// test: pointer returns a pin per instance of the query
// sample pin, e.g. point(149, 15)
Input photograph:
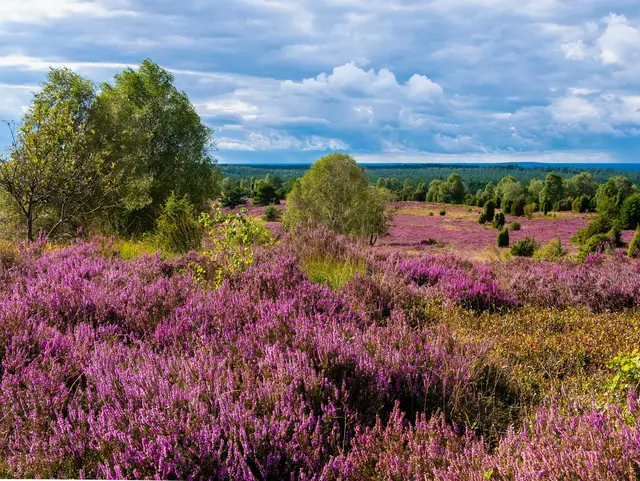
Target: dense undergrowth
point(403, 368)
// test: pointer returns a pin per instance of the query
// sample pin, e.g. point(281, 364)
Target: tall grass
point(333, 272)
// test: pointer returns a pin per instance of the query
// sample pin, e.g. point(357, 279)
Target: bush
point(600, 225)
point(634, 245)
point(499, 221)
point(552, 251)
point(582, 204)
point(515, 226)
point(430, 214)
point(443, 212)
point(630, 212)
point(562, 205)
point(503, 238)
point(530, 209)
point(489, 211)
point(271, 214)
point(524, 247)
point(178, 229)
point(517, 207)
point(482, 219)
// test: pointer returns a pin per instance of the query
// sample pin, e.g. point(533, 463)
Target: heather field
point(428, 366)
point(459, 231)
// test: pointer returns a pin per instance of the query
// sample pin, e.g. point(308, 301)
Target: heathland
point(159, 319)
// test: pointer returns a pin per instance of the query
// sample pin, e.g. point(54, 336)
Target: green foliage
point(630, 211)
point(581, 204)
point(232, 194)
point(634, 245)
point(430, 214)
point(130, 249)
point(178, 229)
point(264, 193)
point(530, 209)
point(600, 225)
point(503, 238)
point(518, 205)
point(488, 213)
point(499, 221)
point(611, 195)
point(602, 242)
point(552, 191)
point(156, 141)
point(443, 212)
point(551, 251)
point(563, 205)
point(627, 371)
point(233, 237)
point(53, 172)
point(524, 247)
point(271, 214)
point(515, 226)
point(335, 191)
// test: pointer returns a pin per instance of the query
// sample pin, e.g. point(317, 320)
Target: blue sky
point(385, 80)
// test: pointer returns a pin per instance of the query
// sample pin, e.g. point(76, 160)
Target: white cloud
point(620, 41)
point(349, 79)
point(256, 141)
point(575, 50)
point(34, 11)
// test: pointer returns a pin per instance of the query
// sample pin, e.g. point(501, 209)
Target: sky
point(383, 80)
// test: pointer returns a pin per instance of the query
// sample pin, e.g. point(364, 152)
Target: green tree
point(232, 193)
point(264, 193)
point(552, 191)
point(52, 169)
point(630, 211)
point(155, 137)
point(335, 191)
point(582, 184)
point(612, 194)
point(433, 194)
point(452, 190)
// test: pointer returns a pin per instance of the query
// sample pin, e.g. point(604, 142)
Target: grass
point(130, 249)
point(333, 272)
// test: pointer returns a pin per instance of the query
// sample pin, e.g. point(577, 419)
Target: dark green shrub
point(482, 219)
point(499, 221)
point(634, 245)
point(524, 247)
point(517, 207)
point(515, 226)
point(430, 214)
point(503, 238)
point(562, 205)
point(232, 194)
point(177, 227)
point(489, 211)
point(600, 225)
point(530, 209)
point(443, 212)
point(582, 204)
point(271, 214)
point(264, 193)
point(630, 212)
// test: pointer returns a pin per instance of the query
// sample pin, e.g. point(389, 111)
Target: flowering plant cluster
point(156, 368)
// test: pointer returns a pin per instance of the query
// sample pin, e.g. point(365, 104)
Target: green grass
point(130, 249)
point(333, 272)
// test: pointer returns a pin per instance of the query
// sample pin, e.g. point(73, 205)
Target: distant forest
point(475, 176)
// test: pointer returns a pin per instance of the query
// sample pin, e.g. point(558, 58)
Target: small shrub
point(271, 214)
point(469, 210)
point(551, 251)
point(627, 368)
point(634, 245)
point(482, 219)
point(515, 226)
point(430, 214)
point(581, 204)
point(517, 207)
point(489, 211)
point(630, 212)
point(443, 212)
point(499, 221)
point(530, 209)
point(503, 238)
point(524, 247)
point(600, 225)
point(178, 229)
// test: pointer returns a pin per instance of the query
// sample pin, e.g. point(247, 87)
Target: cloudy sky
point(386, 80)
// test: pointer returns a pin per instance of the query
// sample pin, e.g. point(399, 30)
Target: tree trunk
point(30, 224)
